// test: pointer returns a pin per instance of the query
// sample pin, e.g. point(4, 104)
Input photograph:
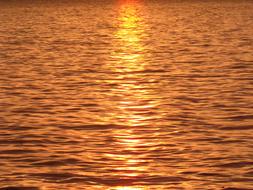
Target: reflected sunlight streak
point(129, 188)
point(129, 57)
point(129, 37)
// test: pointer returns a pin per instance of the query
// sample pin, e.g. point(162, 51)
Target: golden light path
point(129, 38)
point(129, 188)
point(129, 58)
point(133, 101)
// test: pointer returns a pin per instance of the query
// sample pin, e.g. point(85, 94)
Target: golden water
point(126, 95)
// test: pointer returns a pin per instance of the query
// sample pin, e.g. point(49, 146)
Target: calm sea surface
point(121, 95)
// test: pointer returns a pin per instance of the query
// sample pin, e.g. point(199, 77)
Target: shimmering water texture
point(126, 95)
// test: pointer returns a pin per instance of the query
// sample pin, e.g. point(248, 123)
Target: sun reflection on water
point(129, 188)
point(134, 101)
point(129, 59)
point(131, 31)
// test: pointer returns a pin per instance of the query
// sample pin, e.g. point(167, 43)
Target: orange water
point(126, 95)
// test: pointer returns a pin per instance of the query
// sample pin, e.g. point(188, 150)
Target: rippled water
point(126, 95)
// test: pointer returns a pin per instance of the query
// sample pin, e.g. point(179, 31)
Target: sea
point(126, 95)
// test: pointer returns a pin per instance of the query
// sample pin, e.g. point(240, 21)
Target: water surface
point(126, 95)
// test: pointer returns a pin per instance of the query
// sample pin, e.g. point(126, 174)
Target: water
point(126, 95)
